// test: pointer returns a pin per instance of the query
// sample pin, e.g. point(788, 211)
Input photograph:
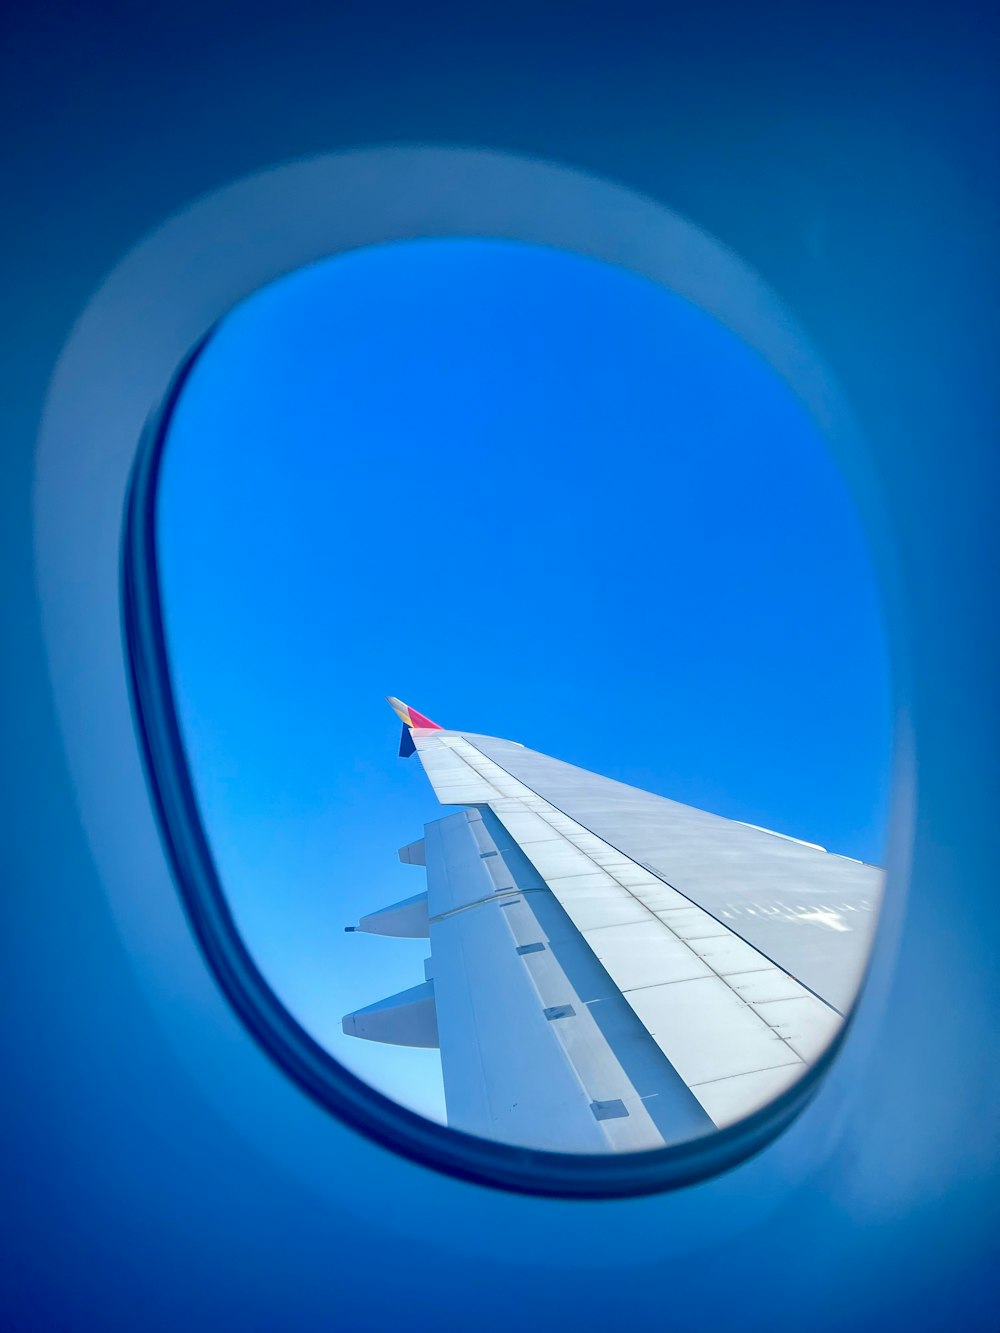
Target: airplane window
point(530, 671)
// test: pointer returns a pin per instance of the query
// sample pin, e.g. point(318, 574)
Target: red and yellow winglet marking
point(410, 717)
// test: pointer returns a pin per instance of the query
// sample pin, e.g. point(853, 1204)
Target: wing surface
point(612, 970)
point(538, 1046)
point(811, 911)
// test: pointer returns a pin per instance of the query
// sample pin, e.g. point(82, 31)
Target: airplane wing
point(610, 969)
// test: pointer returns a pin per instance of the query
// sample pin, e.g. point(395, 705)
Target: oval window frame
point(706, 274)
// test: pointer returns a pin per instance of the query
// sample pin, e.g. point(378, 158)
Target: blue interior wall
point(847, 156)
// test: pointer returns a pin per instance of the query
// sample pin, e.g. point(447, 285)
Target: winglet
point(409, 716)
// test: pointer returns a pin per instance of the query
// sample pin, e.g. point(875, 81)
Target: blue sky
point(535, 496)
